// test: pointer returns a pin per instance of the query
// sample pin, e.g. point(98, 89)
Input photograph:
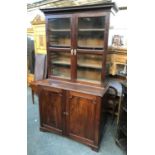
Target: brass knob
point(65, 113)
point(72, 51)
point(94, 101)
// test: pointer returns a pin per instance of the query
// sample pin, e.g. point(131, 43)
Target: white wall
point(31, 15)
point(118, 26)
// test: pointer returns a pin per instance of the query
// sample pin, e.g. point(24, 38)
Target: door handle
point(65, 113)
point(72, 51)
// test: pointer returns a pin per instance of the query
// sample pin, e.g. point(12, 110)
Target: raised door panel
point(51, 110)
point(81, 117)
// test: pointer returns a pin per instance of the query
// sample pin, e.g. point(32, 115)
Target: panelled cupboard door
point(81, 120)
point(51, 109)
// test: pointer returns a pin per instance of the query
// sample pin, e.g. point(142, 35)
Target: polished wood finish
point(104, 6)
point(71, 107)
point(73, 14)
point(80, 122)
point(67, 110)
point(72, 86)
point(105, 46)
point(50, 100)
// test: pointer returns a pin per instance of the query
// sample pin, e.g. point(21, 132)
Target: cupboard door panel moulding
point(70, 113)
point(81, 120)
point(51, 109)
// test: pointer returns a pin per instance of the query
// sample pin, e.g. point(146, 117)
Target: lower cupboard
point(74, 114)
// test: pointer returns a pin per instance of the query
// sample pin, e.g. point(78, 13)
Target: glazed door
point(77, 45)
point(51, 107)
point(90, 46)
point(60, 44)
point(81, 110)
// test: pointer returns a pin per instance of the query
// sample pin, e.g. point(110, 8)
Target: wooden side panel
point(51, 110)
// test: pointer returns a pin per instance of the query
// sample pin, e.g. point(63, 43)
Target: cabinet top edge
point(77, 87)
point(108, 5)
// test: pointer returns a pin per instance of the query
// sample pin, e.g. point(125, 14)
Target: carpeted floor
point(44, 143)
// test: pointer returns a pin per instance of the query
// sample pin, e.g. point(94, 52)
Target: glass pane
point(91, 32)
point(91, 22)
point(89, 67)
point(59, 23)
point(90, 40)
point(59, 32)
point(61, 64)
